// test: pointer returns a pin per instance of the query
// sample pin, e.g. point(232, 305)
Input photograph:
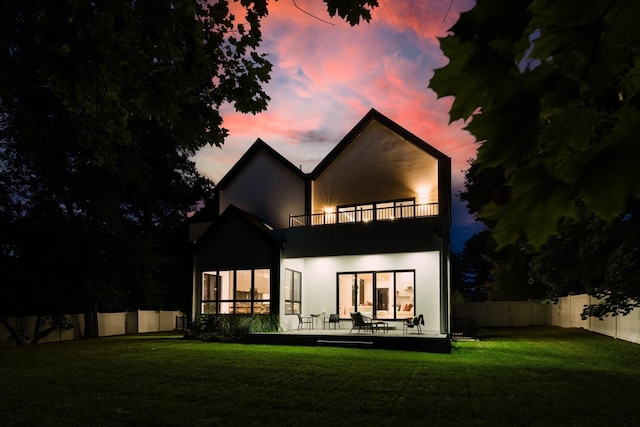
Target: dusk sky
point(327, 76)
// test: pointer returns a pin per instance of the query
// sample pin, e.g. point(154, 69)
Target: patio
point(393, 339)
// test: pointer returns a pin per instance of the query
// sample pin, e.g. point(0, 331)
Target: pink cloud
point(326, 77)
point(426, 19)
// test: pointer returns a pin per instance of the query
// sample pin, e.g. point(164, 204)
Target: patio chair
point(416, 322)
point(334, 320)
point(305, 320)
point(358, 321)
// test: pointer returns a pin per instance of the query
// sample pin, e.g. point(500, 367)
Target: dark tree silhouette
point(102, 105)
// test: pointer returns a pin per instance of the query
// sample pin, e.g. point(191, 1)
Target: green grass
point(529, 376)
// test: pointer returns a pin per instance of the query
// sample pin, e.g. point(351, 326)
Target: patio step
point(413, 342)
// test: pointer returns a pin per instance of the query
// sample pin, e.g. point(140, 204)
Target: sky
point(327, 75)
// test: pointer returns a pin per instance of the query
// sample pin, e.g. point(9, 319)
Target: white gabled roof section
point(265, 184)
point(377, 161)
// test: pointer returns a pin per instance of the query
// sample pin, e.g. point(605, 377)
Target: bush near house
point(232, 328)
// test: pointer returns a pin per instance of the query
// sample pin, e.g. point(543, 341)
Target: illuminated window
point(378, 294)
point(292, 292)
point(236, 292)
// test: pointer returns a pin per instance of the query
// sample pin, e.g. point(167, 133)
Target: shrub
point(222, 327)
point(259, 323)
point(212, 327)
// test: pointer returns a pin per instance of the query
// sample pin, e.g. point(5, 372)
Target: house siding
point(266, 188)
point(405, 235)
point(234, 247)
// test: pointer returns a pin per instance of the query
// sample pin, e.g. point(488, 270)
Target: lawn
point(528, 376)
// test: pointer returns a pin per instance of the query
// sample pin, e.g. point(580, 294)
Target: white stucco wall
point(319, 288)
point(266, 189)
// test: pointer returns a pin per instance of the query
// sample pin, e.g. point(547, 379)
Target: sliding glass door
point(377, 294)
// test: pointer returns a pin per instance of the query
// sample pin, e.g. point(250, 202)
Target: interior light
point(423, 195)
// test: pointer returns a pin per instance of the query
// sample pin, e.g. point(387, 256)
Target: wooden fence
point(132, 322)
point(565, 314)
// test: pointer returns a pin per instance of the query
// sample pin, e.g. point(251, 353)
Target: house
point(367, 230)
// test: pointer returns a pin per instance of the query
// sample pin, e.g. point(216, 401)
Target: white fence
point(132, 322)
point(565, 314)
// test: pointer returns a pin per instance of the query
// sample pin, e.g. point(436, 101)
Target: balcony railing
point(360, 214)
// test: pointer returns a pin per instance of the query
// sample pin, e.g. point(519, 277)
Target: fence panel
point(25, 327)
point(167, 320)
point(606, 326)
point(565, 314)
point(112, 324)
point(148, 321)
point(562, 313)
point(504, 313)
point(578, 302)
point(520, 313)
point(540, 314)
point(109, 324)
point(628, 327)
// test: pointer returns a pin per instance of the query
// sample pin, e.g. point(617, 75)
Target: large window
point(379, 294)
point(292, 292)
point(236, 291)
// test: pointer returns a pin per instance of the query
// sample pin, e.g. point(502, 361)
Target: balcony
point(380, 211)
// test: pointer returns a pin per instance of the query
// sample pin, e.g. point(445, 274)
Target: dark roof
point(251, 221)
point(388, 123)
point(258, 145)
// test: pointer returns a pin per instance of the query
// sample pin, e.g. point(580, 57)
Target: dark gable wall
point(233, 246)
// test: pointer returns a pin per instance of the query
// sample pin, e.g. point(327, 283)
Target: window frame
point(292, 305)
point(393, 293)
point(234, 301)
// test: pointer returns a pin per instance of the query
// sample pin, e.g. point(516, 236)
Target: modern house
point(367, 231)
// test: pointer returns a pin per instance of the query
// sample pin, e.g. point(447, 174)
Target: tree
point(475, 264)
point(502, 273)
point(587, 254)
point(591, 255)
point(552, 90)
point(102, 105)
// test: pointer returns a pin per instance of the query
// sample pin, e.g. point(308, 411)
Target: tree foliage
point(552, 90)
point(352, 11)
point(475, 264)
point(595, 256)
point(102, 105)
point(586, 255)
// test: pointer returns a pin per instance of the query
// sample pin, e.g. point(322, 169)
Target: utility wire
point(310, 14)
point(446, 14)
